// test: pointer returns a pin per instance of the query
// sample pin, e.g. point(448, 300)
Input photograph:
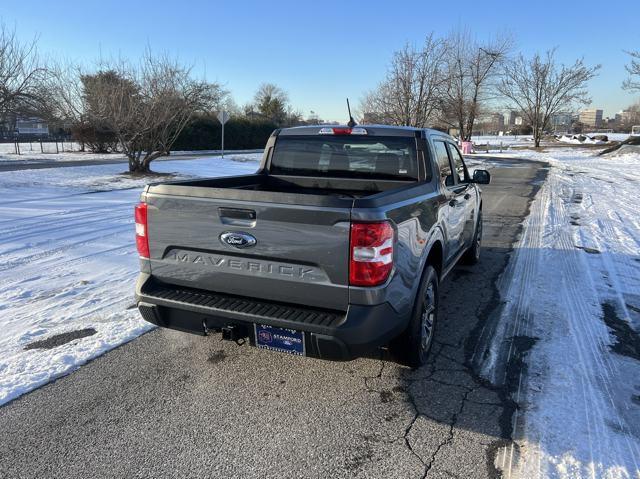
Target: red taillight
point(142, 237)
point(371, 249)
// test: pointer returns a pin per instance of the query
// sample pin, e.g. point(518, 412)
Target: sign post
point(223, 117)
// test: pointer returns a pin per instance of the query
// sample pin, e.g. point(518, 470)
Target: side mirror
point(482, 177)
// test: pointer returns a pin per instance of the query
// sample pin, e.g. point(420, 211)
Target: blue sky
point(323, 51)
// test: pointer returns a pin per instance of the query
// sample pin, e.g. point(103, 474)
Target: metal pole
point(223, 140)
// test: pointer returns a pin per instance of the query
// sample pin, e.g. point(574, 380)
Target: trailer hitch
point(235, 333)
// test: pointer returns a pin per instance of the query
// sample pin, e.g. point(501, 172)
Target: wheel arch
point(435, 257)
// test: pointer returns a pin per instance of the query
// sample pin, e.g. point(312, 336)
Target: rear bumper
point(332, 335)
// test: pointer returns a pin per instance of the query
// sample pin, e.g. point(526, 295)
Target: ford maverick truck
point(336, 246)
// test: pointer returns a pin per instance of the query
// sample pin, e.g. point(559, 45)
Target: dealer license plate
point(279, 339)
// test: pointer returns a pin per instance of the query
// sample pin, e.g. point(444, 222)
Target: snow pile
point(582, 140)
point(68, 265)
point(575, 289)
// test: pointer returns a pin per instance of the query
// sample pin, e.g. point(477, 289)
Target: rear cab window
point(348, 156)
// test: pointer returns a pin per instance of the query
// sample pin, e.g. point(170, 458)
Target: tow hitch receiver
point(235, 333)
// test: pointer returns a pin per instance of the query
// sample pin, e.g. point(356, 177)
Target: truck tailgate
point(300, 253)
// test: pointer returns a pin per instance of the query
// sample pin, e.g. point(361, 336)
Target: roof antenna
point(352, 122)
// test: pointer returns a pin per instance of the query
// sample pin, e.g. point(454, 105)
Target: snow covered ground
point(68, 264)
point(70, 151)
point(573, 286)
point(508, 141)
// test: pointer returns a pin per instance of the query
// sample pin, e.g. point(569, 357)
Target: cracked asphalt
point(175, 405)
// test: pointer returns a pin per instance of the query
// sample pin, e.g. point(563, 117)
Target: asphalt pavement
point(169, 404)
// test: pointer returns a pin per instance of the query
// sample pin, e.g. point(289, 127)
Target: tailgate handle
point(237, 216)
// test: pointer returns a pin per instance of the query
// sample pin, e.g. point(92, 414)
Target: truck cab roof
point(371, 130)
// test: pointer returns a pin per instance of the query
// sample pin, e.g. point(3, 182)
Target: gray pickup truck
point(333, 248)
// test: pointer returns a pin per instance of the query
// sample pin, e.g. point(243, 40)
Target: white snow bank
point(68, 262)
point(575, 279)
point(506, 140)
point(580, 140)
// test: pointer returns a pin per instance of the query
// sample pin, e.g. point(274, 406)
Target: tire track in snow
point(114, 231)
point(553, 292)
point(37, 229)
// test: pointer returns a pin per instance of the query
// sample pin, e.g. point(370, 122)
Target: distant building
point(498, 120)
point(32, 126)
point(591, 117)
point(490, 123)
point(628, 117)
point(13, 126)
point(561, 121)
point(511, 118)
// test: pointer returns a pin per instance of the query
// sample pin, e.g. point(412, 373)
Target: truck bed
point(261, 186)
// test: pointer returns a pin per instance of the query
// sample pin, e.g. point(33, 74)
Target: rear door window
point(383, 157)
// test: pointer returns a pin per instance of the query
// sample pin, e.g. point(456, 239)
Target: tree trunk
point(537, 136)
point(146, 162)
point(137, 166)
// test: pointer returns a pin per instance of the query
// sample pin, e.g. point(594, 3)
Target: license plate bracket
point(282, 340)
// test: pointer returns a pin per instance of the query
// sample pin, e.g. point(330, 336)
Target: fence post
point(41, 148)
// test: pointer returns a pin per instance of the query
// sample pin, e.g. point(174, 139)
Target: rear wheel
point(472, 256)
point(413, 345)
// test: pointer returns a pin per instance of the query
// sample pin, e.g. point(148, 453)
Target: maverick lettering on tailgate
point(252, 266)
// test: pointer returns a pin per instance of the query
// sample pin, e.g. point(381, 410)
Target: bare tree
point(62, 102)
point(64, 99)
point(633, 82)
point(407, 95)
point(471, 69)
point(539, 88)
point(22, 74)
point(147, 106)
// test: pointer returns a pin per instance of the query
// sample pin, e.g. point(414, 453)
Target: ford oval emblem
point(238, 240)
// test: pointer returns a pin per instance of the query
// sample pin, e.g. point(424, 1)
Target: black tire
point(472, 255)
point(413, 345)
